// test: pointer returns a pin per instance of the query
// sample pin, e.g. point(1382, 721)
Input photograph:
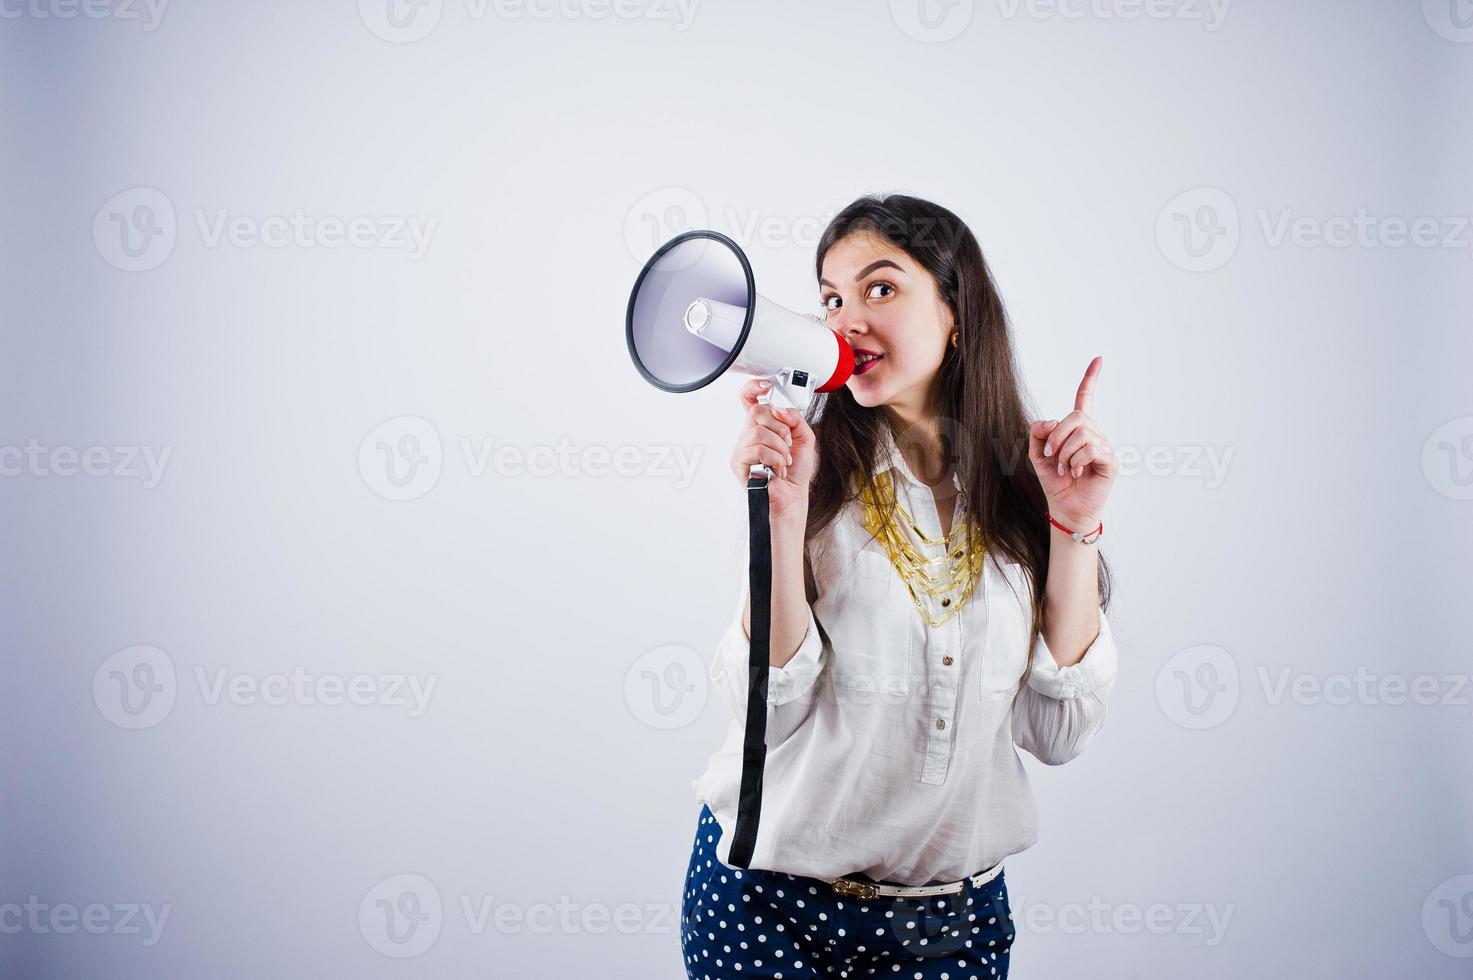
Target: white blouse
point(891, 744)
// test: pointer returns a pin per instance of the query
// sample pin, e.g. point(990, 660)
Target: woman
point(938, 599)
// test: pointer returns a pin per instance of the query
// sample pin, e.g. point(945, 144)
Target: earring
point(955, 337)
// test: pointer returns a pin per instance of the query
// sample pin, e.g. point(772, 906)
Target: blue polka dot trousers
point(737, 922)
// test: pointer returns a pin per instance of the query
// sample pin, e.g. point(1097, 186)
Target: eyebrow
point(882, 263)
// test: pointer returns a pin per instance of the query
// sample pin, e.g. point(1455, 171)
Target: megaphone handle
point(778, 397)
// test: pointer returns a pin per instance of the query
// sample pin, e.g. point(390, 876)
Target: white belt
point(868, 889)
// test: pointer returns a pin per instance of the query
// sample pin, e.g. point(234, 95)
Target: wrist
point(1086, 526)
point(793, 517)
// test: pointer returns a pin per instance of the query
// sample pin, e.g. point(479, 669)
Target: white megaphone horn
point(695, 314)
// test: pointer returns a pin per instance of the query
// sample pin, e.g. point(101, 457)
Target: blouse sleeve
point(729, 667)
point(1062, 707)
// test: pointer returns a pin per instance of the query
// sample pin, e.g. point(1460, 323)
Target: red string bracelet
point(1077, 535)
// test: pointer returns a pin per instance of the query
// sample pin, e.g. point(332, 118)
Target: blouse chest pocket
point(863, 611)
point(1009, 618)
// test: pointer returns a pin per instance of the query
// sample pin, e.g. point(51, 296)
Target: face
point(883, 302)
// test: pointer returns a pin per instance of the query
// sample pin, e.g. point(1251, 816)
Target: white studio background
point(333, 634)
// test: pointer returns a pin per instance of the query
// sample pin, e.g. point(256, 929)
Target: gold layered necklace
point(949, 577)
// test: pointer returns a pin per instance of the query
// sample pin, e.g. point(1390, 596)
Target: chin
point(868, 394)
point(865, 398)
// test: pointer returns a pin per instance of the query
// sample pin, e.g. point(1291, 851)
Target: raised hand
point(1073, 460)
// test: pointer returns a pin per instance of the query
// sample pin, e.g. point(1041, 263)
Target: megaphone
point(695, 314)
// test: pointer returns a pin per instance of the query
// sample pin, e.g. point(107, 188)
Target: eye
point(832, 302)
point(879, 285)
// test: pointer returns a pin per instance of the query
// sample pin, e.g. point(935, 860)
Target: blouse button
point(940, 722)
point(947, 661)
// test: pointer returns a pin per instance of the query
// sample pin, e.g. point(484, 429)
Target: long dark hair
point(981, 414)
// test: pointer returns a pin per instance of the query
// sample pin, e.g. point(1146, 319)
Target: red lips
point(867, 365)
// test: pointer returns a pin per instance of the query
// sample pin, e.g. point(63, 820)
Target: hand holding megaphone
point(780, 439)
point(695, 314)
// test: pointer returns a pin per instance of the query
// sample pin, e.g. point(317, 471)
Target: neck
point(919, 439)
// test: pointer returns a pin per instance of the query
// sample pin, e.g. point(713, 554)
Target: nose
point(848, 325)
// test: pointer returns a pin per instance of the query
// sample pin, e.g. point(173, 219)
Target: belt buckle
point(862, 890)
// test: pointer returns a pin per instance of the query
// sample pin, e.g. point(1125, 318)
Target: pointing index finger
point(1085, 396)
